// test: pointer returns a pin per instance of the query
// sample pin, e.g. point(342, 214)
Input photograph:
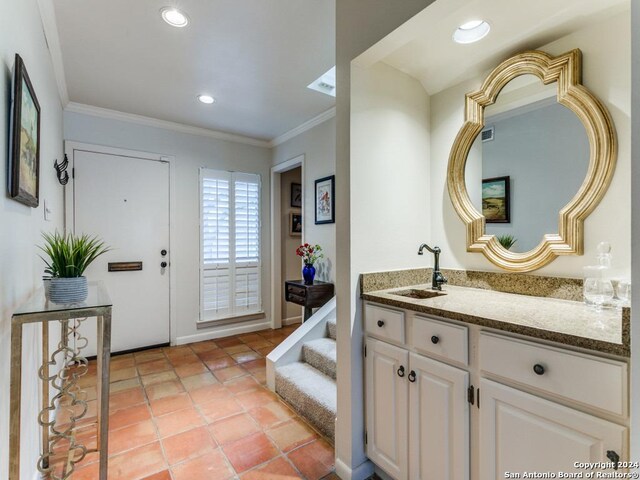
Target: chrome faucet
point(437, 279)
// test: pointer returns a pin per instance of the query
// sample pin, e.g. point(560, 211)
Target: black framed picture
point(496, 197)
point(296, 195)
point(295, 224)
point(325, 200)
point(24, 158)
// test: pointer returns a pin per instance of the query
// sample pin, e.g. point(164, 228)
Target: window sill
point(230, 320)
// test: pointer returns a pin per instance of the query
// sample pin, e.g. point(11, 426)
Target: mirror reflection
point(528, 162)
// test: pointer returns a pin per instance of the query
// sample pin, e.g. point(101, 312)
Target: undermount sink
point(419, 293)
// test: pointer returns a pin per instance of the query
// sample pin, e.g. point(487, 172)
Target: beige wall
point(20, 268)
point(290, 263)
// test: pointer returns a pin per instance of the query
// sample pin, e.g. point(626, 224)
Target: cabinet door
point(439, 425)
point(520, 433)
point(387, 406)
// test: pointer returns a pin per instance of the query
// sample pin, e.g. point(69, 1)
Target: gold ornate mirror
point(534, 165)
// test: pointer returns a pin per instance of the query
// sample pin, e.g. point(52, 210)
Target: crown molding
point(308, 125)
point(164, 124)
point(50, 28)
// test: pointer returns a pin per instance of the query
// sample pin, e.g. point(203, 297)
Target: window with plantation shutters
point(230, 244)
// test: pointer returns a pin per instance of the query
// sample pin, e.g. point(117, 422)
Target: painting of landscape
point(28, 143)
point(495, 200)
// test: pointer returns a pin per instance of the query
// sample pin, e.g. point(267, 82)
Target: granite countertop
point(564, 321)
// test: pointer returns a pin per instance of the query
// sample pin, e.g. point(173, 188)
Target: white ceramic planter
point(68, 290)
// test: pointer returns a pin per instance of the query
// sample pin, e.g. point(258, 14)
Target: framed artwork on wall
point(24, 156)
point(496, 197)
point(325, 200)
point(296, 195)
point(295, 224)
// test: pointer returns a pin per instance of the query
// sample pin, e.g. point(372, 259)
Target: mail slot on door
point(125, 266)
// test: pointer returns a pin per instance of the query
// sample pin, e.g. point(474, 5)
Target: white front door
point(124, 200)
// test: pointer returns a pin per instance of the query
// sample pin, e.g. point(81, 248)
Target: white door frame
point(276, 232)
point(71, 147)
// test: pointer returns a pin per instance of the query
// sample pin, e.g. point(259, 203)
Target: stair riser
point(332, 330)
point(317, 360)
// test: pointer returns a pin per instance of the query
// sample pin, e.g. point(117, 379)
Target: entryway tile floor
point(202, 411)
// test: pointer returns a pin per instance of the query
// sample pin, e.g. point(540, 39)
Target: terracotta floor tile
point(245, 357)
point(158, 377)
point(164, 475)
point(314, 460)
point(242, 384)
point(198, 381)
point(148, 356)
point(205, 346)
point(260, 375)
point(182, 358)
point(129, 416)
point(119, 362)
point(255, 364)
point(261, 343)
point(237, 349)
point(165, 405)
point(271, 414)
point(222, 362)
point(256, 398)
point(291, 435)
point(87, 472)
point(233, 428)
point(178, 351)
point(126, 398)
point(278, 469)
point(250, 451)
point(226, 374)
point(212, 355)
point(132, 436)
point(155, 366)
point(249, 337)
point(210, 466)
point(209, 393)
point(124, 385)
point(164, 389)
point(227, 342)
point(264, 351)
point(137, 464)
point(188, 445)
point(179, 421)
point(122, 374)
point(191, 368)
point(218, 409)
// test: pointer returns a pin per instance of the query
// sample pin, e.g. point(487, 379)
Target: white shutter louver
point(230, 244)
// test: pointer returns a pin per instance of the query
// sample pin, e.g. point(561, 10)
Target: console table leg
point(308, 311)
point(104, 356)
point(16, 399)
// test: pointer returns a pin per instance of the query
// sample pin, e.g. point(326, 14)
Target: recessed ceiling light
point(208, 99)
point(472, 31)
point(326, 83)
point(174, 17)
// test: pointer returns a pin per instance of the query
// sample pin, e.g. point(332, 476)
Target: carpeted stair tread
point(311, 393)
point(331, 328)
point(321, 354)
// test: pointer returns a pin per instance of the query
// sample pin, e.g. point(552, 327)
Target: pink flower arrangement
point(309, 253)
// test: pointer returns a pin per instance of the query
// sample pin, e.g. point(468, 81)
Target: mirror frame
point(566, 70)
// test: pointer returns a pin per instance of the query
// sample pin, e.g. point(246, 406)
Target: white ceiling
point(424, 49)
point(256, 57)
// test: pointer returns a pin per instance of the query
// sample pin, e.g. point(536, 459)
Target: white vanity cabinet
point(453, 401)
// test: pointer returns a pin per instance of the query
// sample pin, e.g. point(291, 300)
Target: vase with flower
point(310, 254)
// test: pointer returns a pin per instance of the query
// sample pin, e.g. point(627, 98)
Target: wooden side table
point(71, 365)
point(309, 296)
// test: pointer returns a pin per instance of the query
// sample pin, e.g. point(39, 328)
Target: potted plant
point(68, 257)
point(507, 241)
point(310, 254)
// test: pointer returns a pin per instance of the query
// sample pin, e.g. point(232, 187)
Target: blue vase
point(308, 272)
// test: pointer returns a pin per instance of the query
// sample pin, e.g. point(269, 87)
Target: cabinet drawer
point(441, 339)
point(586, 379)
point(384, 323)
point(301, 292)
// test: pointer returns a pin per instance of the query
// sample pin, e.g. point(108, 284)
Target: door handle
point(163, 265)
point(163, 252)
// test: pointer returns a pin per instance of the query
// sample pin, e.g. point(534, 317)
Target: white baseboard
point(361, 472)
point(292, 320)
point(223, 331)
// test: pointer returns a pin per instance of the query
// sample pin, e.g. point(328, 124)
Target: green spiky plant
point(507, 241)
point(69, 254)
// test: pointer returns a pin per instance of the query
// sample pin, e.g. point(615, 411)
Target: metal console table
point(60, 452)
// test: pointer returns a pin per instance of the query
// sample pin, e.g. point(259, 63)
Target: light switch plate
point(47, 211)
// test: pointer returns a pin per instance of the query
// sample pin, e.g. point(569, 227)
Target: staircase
point(309, 385)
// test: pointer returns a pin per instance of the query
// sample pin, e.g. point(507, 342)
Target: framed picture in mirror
point(296, 195)
point(496, 197)
point(295, 224)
